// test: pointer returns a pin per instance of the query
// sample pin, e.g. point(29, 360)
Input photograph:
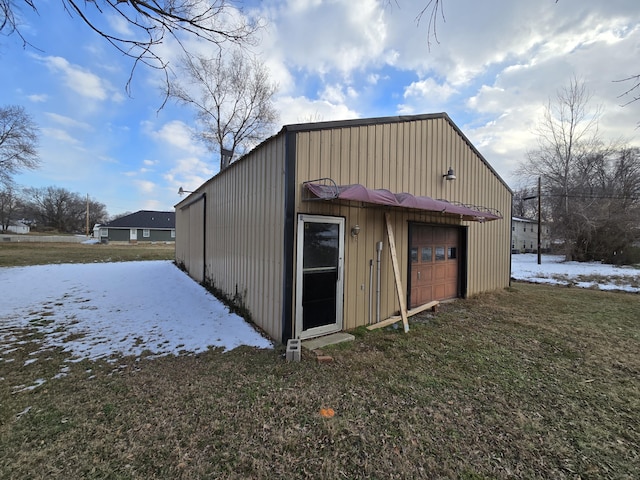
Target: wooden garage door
point(433, 257)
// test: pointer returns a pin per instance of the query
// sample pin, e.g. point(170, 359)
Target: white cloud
point(38, 98)
point(145, 187)
point(188, 173)
point(60, 135)
point(69, 122)
point(81, 80)
point(322, 36)
point(426, 96)
point(120, 25)
point(176, 134)
point(302, 109)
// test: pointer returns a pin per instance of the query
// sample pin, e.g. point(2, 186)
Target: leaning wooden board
point(397, 318)
point(396, 273)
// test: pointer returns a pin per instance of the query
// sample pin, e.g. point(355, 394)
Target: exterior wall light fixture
point(450, 175)
point(355, 231)
point(182, 191)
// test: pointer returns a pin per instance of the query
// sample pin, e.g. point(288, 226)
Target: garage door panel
point(434, 253)
point(439, 291)
point(440, 273)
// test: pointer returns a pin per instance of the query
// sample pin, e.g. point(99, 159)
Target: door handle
point(418, 275)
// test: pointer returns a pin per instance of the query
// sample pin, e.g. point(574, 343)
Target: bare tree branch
point(432, 10)
point(633, 91)
point(232, 99)
point(18, 143)
point(219, 22)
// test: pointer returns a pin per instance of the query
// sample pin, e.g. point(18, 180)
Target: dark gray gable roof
point(146, 219)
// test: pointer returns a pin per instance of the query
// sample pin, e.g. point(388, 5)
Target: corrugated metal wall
point(190, 237)
point(245, 233)
point(409, 156)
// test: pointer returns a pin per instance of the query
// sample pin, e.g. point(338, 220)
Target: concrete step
point(332, 339)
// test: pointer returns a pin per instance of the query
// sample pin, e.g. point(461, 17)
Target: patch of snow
point(555, 271)
point(36, 384)
point(98, 310)
point(64, 371)
point(24, 412)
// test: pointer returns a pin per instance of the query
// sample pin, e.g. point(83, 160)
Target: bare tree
point(610, 201)
point(59, 209)
point(232, 98)
point(18, 143)
point(591, 190)
point(521, 206)
point(568, 153)
point(150, 22)
point(8, 204)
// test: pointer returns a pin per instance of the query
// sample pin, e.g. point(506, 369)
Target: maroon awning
point(359, 193)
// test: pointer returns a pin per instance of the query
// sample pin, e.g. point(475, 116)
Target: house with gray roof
point(141, 226)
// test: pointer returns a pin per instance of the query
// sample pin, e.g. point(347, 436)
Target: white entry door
point(320, 278)
point(133, 234)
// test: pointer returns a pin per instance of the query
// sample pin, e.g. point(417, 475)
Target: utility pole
point(539, 222)
point(539, 195)
point(87, 214)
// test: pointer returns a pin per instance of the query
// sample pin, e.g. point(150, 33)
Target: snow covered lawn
point(98, 310)
point(554, 270)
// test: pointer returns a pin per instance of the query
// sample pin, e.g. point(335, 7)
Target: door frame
point(332, 327)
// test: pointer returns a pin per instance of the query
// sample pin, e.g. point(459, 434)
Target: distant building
point(141, 226)
point(524, 236)
point(19, 227)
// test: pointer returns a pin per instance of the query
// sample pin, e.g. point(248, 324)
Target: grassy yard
point(532, 382)
point(21, 254)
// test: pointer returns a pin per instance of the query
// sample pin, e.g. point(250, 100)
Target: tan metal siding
point(409, 157)
point(245, 230)
point(190, 238)
point(196, 240)
point(182, 246)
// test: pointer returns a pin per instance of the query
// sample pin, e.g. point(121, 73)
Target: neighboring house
point(524, 236)
point(18, 227)
point(141, 226)
point(291, 231)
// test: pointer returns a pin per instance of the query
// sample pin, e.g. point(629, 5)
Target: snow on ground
point(99, 310)
point(554, 270)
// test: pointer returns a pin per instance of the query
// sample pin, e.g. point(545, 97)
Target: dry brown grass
point(14, 254)
point(533, 382)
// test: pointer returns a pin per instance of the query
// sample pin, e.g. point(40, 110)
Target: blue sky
point(495, 67)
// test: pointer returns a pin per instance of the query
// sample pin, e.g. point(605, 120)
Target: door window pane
point(427, 254)
point(453, 253)
point(414, 255)
point(320, 245)
point(440, 254)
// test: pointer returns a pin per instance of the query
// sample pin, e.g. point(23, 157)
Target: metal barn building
point(295, 232)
